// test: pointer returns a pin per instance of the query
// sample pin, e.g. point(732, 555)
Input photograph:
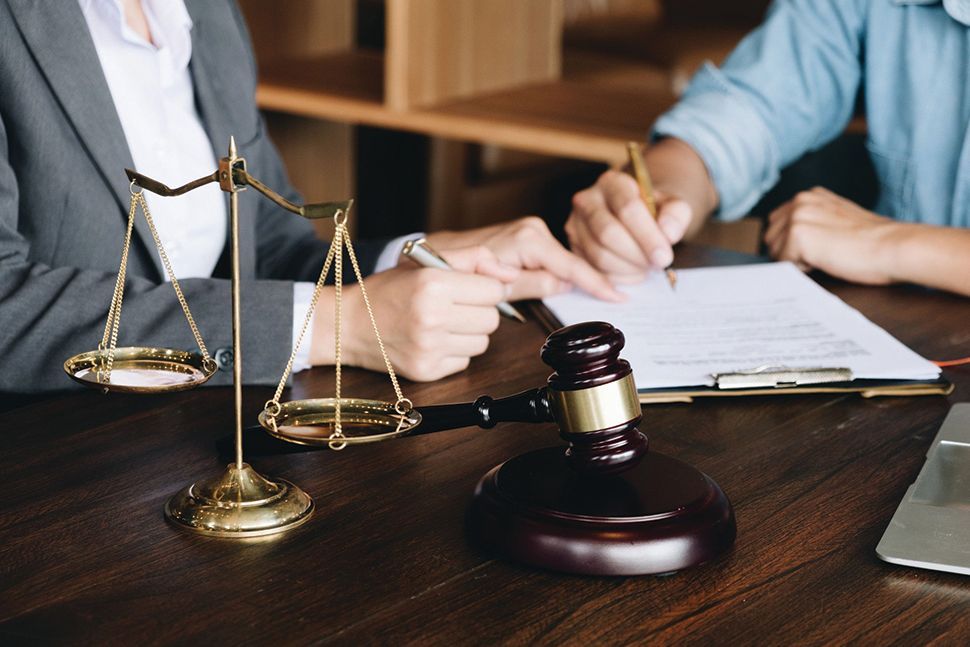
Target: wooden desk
point(85, 555)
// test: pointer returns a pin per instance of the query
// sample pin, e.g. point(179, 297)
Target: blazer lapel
point(57, 34)
point(219, 103)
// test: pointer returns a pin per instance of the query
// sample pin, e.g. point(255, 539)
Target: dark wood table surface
point(86, 556)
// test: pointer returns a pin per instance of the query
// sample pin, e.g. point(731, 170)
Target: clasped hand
point(821, 230)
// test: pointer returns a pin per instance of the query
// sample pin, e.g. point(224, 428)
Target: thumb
point(674, 217)
point(479, 259)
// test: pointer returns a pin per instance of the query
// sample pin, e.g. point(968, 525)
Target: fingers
point(600, 237)
point(674, 218)
point(529, 243)
point(441, 287)
point(465, 346)
point(777, 228)
point(622, 196)
point(570, 268)
point(433, 320)
point(447, 320)
point(425, 370)
point(822, 192)
point(478, 259)
point(430, 348)
point(612, 228)
point(537, 284)
point(472, 320)
point(785, 242)
point(789, 224)
point(473, 290)
point(599, 232)
point(586, 245)
point(433, 354)
point(453, 302)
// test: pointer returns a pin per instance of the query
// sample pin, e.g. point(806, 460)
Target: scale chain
point(109, 341)
point(338, 280)
point(207, 360)
point(299, 340)
point(402, 405)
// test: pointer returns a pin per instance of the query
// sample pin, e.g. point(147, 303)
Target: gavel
point(603, 505)
point(591, 396)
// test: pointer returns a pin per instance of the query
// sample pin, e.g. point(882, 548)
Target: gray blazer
point(64, 199)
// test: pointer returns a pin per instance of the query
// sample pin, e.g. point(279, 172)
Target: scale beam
point(241, 179)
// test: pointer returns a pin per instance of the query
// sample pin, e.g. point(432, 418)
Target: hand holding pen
point(611, 225)
point(639, 168)
point(421, 253)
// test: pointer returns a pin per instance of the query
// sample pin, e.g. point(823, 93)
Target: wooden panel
point(447, 49)
point(352, 80)
point(473, 186)
point(319, 158)
point(677, 51)
point(579, 118)
point(306, 28)
point(583, 10)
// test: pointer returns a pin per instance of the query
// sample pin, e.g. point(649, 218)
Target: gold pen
point(421, 253)
point(646, 193)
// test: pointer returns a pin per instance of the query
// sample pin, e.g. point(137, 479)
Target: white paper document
point(727, 319)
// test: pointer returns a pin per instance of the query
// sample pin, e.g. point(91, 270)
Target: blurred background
point(458, 113)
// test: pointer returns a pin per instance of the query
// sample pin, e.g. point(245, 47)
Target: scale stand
point(239, 502)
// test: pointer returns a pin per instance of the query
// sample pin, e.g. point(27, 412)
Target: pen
point(421, 253)
point(646, 193)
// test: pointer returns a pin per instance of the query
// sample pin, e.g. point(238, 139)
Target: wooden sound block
point(657, 517)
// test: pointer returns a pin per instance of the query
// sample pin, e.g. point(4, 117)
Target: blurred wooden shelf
point(519, 77)
point(576, 117)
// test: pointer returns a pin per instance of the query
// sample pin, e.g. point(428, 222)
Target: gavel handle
point(485, 412)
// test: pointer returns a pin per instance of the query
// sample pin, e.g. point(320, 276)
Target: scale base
point(239, 503)
point(658, 517)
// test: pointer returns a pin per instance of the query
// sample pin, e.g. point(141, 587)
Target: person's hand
point(821, 230)
point(527, 244)
point(432, 321)
point(611, 227)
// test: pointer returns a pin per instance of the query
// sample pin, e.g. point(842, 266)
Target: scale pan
point(311, 422)
point(142, 370)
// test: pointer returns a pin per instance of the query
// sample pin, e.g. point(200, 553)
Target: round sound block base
point(658, 517)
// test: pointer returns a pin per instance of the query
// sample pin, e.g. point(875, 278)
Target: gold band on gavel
point(596, 408)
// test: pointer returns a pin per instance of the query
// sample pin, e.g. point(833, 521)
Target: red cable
point(953, 362)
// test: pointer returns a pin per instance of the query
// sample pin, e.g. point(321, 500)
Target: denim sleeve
point(789, 87)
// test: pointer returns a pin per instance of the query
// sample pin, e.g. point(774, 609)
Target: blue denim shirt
point(791, 86)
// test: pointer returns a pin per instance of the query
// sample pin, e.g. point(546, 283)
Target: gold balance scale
point(240, 502)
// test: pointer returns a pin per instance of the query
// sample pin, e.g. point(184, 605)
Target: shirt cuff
point(392, 252)
point(302, 296)
point(719, 123)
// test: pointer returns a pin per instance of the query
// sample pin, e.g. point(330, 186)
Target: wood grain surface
point(86, 556)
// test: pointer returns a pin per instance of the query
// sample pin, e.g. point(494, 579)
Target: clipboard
point(771, 380)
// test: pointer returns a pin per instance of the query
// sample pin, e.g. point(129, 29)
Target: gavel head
point(593, 398)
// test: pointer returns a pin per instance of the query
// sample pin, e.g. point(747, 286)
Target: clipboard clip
point(779, 377)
